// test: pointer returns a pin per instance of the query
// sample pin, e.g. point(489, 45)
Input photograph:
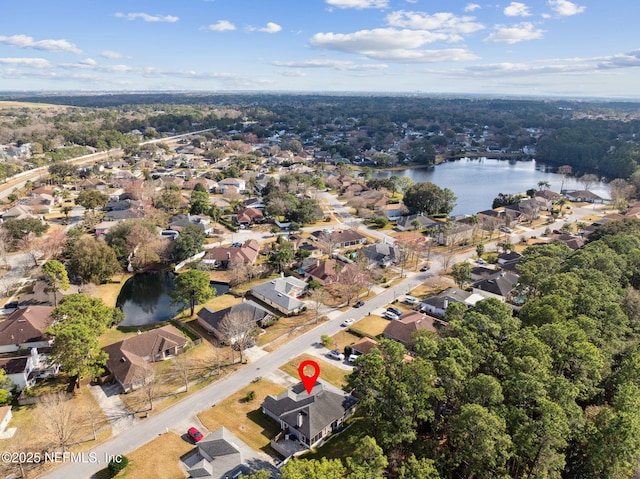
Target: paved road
point(147, 429)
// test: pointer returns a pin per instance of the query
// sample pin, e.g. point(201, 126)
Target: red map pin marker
point(308, 381)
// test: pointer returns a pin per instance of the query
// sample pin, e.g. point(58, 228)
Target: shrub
point(117, 464)
point(326, 340)
point(251, 395)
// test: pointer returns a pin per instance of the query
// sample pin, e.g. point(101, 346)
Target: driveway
point(118, 415)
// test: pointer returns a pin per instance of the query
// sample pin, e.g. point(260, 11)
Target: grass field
point(165, 450)
point(371, 325)
point(328, 372)
point(245, 418)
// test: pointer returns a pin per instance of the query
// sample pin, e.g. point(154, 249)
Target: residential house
point(25, 329)
point(492, 219)
point(92, 184)
point(129, 358)
point(403, 329)
point(406, 223)
point(308, 418)
point(239, 184)
point(41, 204)
point(103, 227)
point(437, 305)
point(584, 196)
point(221, 257)
point(281, 294)
point(455, 233)
point(328, 271)
point(212, 320)
point(24, 370)
point(18, 212)
point(573, 242)
point(179, 222)
point(381, 254)
point(339, 238)
point(222, 455)
point(248, 216)
point(499, 285)
point(363, 346)
point(394, 211)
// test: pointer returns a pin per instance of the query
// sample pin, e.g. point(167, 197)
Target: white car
point(411, 300)
point(390, 315)
point(335, 354)
point(348, 322)
point(353, 357)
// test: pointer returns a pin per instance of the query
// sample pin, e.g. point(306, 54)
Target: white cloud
point(359, 4)
point(148, 18)
point(110, 54)
point(443, 21)
point(517, 9)
point(293, 73)
point(565, 8)
point(390, 44)
point(514, 34)
point(222, 26)
point(28, 62)
point(88, 61)
point(333, 64)
point(270, 28)
point(470, 7)
point(24, 41)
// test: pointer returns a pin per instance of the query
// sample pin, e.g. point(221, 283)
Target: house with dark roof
point(220, 455)
point(381, 254)
point(25, 329)
point(308, 418)
point(24, 370)
point(363, 346)
point(221, 256)
point(129, 358)
point(179, 222)
point(499, 285)
point(403, 329)
point(573, 242)
point(406, 222)
point(212, 320)
point(329, 271)
point(584, 196)
point(281, 294)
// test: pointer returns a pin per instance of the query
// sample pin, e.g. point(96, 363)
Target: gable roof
point(364, 345)
point(126, 358)
point(282, 291)
point(381, 252)
point(26, 325)
point(410, 322)
point(314, 411)
point(219, 443)
point(214, 318)
point(247, 253)
point(339, 236)
point(500, 283)
point(425, 221)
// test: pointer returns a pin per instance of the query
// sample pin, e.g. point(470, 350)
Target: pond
point(476, 182)
point(144, 298)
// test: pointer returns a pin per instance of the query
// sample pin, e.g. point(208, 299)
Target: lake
point(477, 181)
point(144, 298)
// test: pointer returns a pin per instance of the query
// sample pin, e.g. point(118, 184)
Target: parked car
point(348, 322)
point(359, 304)
point(504, 229)
point(194, 434)
point(410, 300)
point(426, 267)
point(353, 357)
point(395, 311)
point(481, 261)
point(390, 315)
point(335, 354)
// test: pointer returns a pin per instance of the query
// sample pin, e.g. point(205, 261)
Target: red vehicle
point(195, 434)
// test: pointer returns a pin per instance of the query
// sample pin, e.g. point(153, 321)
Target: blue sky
point(538, 47)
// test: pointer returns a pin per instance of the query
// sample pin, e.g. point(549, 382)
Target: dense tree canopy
point(429, 199)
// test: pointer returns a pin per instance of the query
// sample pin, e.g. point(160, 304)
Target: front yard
point(372, 326)
point(245, 418)
point(328, 372)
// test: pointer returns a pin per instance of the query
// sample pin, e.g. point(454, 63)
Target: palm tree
point(561, 202)
point(544, 185)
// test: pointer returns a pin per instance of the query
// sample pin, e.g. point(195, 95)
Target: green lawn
point(370, 325)
point(328, 372)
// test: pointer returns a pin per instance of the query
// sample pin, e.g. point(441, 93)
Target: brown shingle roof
point(26, 325)
point(402, 329)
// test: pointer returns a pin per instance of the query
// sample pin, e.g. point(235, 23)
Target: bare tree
point(5, 239)
point(564, 170)
point(350, 281)
point(239, 329)
point(60, 420)
point(149, 384)
point(30, 244)
point(184, 366)
point(447, 257)
point(318, 297)
point(621, 191)
point(588, 180)
point(327, 240)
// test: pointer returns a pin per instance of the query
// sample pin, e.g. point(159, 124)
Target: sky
point(549, 48)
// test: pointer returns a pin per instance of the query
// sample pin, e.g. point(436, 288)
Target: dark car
point(426, 267)
point(194, 434)
point(359, 304)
